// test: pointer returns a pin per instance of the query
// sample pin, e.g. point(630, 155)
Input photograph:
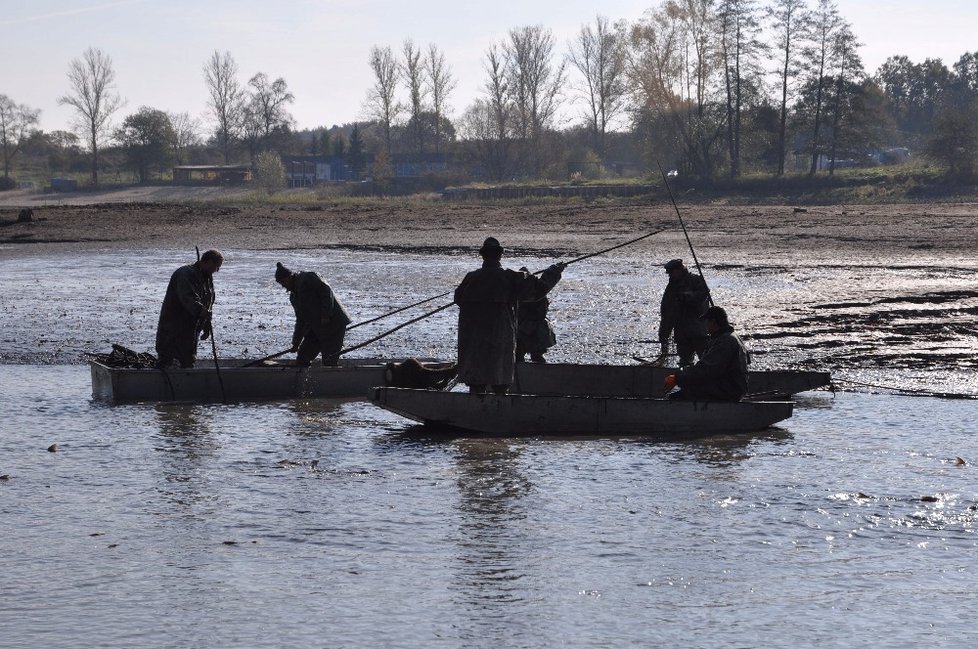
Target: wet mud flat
point(874, 288)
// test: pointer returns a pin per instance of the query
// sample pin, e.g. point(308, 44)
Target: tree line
point(710, 88)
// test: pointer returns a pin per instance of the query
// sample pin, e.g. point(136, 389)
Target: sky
point(321, 49)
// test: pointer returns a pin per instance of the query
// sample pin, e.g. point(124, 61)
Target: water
point(337, 524)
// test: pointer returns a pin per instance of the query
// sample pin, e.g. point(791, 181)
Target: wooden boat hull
point(645, 380)
point(530, 415)
point(351, 379)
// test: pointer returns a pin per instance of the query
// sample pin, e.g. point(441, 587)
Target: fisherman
point(684, 301)
point(721, 374)
point(487, 299)
point(320, 319)
point(534, 333)
point(185, 315)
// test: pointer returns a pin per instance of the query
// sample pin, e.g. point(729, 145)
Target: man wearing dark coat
point(721, 375)
point(684, 301)
point(487, 299)
point(534, 333)
point(320, 319)
point(185, 315)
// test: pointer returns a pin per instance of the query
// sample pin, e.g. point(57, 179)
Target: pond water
point(334, 523)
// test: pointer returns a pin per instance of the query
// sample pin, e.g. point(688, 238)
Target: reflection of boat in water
point(528, 415)
point(235, 382)
point(645, 380)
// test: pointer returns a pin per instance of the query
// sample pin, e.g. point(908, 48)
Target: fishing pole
point(400, 326)
point(443, 307)
point(217, 366)
point(396, 311)
point(699, 269)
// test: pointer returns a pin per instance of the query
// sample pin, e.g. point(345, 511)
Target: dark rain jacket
point(188, 301)
point(315, 307)
point(722, 372)
point(487, 299)
point(683, 302)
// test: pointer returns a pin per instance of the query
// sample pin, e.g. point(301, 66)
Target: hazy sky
point(321, 48)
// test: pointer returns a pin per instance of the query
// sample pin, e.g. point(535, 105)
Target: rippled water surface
point(331, 523)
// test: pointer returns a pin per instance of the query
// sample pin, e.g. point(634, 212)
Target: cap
point(281, 272)
point(490, 245)
point(717, 314)
point(673, 264)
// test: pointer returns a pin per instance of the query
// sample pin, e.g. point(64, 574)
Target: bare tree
point(382, 102)
point(186, 134)
point(819, 55)
point(412, 71)
point(91, 95)
point(740, 49)
point(226, 99)
point(16, 121)
point(535, 85)
point(849, 73)
point(788, 19)
point(269, 101)
point(535, 82)
point(598, 54)
point(674, 70)
point(441, 83)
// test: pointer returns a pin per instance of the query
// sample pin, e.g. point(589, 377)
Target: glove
point(207, 328)
point(669, 383)
point(557, 269)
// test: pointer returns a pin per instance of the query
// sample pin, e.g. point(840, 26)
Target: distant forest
point(709, 89)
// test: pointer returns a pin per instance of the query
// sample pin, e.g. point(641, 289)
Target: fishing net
point(125, 357)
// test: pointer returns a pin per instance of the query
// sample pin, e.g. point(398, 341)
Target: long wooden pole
point(268, 358)
point(217, 365)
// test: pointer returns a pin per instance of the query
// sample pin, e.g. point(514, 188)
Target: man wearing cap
point(721, 374)
point(685, 299)
point(320, 319)
point(185, 315)
point(487, 299)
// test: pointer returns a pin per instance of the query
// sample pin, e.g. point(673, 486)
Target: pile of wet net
point(125, 357)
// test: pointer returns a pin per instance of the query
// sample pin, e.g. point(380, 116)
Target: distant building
point(308, 170)
point(414, 165)
point(212, 174)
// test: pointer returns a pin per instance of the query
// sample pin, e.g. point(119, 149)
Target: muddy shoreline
point(901, 234)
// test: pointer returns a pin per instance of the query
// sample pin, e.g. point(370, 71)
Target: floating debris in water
point(5, 477)
point(960, 461)
point(53, 448)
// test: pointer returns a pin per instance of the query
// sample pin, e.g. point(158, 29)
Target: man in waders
point(684, 301)
point(185, 315)
point(487, 299)
point(721, 375)
point(320, 319)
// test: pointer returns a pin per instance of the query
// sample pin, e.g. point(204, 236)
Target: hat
point(672, 264)
point(717, 314)
point(490, 246)
point(281, 272)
